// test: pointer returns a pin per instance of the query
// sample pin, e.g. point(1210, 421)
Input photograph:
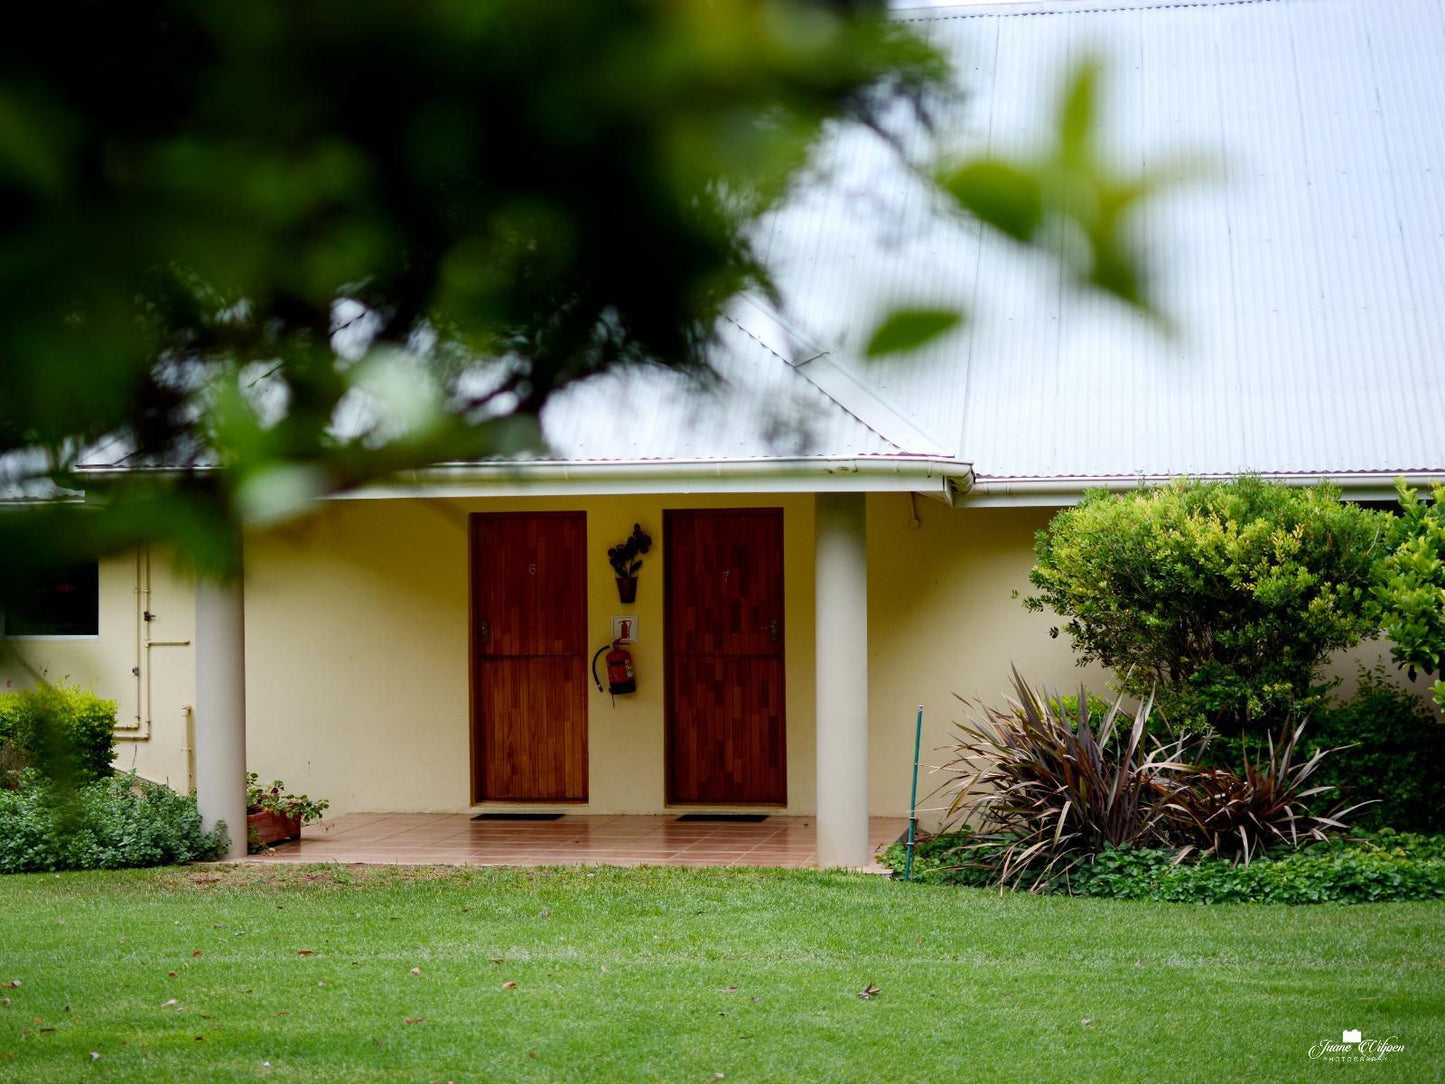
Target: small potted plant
point(626, 559)
point(273, 816)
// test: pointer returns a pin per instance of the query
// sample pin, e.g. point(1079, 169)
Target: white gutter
point(1002, 491)
point(934, 476)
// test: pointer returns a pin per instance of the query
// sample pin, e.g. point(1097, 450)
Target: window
point(65, 603)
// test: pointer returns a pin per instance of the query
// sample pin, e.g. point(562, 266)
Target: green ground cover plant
point(1372, 868)
point(113, 823)
point(314, 973)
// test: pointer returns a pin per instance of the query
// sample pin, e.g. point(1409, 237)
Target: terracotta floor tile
point(577, 839)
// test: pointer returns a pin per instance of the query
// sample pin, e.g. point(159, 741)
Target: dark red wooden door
point(529, 649)
point(725, 721)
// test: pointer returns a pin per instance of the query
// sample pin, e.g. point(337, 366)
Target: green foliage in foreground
point(1386, 866)
point(67, 730)
point(679, 975)
point(111, 824)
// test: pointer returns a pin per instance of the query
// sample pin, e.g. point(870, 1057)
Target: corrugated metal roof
point(1306, 278)
point(760, 406)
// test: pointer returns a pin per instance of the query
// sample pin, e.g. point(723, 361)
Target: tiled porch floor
point(456, 839)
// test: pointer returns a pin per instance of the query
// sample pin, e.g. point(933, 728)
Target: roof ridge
point(854, 397)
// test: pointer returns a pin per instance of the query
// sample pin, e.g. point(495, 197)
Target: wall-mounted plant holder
point(626, 560)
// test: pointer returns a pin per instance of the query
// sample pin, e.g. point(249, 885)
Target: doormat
point(736, 818)
point(519, 816)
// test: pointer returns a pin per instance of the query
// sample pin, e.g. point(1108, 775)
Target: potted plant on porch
point(273, 816)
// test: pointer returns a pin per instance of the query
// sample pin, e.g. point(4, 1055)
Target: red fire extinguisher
point(620, 678)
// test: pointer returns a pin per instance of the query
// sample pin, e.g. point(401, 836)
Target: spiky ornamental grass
point(1234, 816)
point(1049, 791)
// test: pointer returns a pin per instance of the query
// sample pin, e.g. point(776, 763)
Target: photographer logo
point(1353, 1046)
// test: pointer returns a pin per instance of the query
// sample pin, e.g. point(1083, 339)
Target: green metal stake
point(913, 798)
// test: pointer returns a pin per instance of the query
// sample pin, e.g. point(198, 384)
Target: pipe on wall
point(140, 730)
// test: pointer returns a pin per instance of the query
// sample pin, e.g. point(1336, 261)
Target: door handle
point(484, 631)
point(773, 630)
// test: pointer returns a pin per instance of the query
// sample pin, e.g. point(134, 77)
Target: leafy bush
point(1052, 789)
point(1226, 597)
point(64, 731)
point(1339, 873)
point(1386, 866)
point(1391, 743)
point(1396, 764)
point(1413, 584)
point(111, 824)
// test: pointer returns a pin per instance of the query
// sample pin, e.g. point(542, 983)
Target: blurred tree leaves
point(1067, 198)
point(907, 329)
point(303, 247)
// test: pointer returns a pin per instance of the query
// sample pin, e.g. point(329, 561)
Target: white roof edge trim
point(1000, 492)
point(935, 476)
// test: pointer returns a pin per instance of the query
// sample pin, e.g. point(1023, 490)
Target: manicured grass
point(682, 975)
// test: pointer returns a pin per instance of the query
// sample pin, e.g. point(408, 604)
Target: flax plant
point(1050, 790)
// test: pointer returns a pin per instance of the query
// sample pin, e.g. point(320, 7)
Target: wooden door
point(529, 657)
point(725, 737)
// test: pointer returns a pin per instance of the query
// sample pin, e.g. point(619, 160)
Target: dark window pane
point(63, 604)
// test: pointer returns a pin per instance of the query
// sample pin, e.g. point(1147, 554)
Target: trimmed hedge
point(111, 824)
point(1385, 866)
point(66, 732)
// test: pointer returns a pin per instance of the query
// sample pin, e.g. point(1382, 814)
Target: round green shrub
point(1223, 597)
point(1395, 763)
point(64, 731)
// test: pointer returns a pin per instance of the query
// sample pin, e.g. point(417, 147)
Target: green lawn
point(307, 973)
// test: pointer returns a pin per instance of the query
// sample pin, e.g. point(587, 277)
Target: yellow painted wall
point(151, 702)
point(358, 621)
point(356, 640)
point(942, 622)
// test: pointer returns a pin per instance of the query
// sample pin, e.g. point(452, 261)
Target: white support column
point(841, 570)
point(220, 718)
